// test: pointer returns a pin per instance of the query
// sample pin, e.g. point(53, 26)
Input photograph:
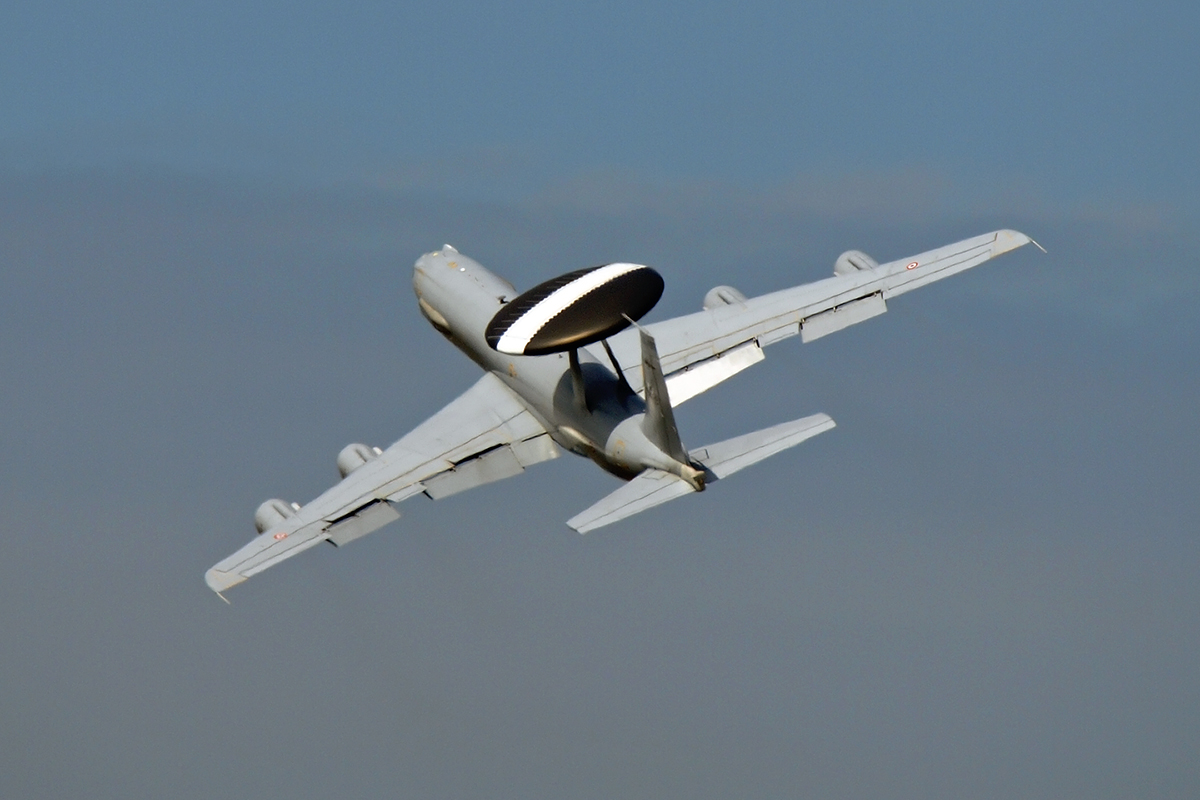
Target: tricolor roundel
point(575, 309)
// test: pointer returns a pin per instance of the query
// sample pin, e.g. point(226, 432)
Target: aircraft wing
point(486, 434)
point(700, 350)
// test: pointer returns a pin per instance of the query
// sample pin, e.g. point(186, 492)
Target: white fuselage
point(460, 297)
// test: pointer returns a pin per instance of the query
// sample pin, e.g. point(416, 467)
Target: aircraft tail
point(659, 422)
point(654, 487)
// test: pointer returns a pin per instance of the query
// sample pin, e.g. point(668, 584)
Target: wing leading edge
point(700, 350)
point(485, 434)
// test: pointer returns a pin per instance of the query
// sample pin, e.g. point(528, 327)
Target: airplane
point(546, 387)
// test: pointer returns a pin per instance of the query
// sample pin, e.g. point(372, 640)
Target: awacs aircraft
point(566, 366)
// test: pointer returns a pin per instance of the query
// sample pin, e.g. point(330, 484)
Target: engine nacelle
point(272, 513)
point(354, 456)
point(722, 296)
point(853, 261)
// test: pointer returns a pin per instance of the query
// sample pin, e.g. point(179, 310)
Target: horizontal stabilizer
point(723, 459)
point(649, 489)
point(655, 487)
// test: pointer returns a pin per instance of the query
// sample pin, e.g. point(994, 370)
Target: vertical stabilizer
point(659, 423)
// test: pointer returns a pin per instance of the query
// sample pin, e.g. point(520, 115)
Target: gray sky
point(982, 584)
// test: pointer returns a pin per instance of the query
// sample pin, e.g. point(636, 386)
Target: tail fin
point(659, 422)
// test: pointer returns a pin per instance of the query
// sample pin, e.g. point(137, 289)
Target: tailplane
point(654, 487)
point(722, 459)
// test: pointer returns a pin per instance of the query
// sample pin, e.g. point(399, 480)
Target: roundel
point(575, 309)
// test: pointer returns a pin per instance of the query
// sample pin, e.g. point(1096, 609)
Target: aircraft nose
point(426, 269)
point(420, 277)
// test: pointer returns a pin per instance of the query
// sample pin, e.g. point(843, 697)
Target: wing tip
point(1008, 240)
point(219, 580)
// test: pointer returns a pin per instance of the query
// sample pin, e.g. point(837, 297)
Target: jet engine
point(722, 296)
point(853, 261)
point(354, 456)
point(272, 513)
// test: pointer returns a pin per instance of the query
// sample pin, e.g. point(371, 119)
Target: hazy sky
point(982, 584)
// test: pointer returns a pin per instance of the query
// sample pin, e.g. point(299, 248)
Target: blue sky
point(981, 584)
point(1081, 101)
